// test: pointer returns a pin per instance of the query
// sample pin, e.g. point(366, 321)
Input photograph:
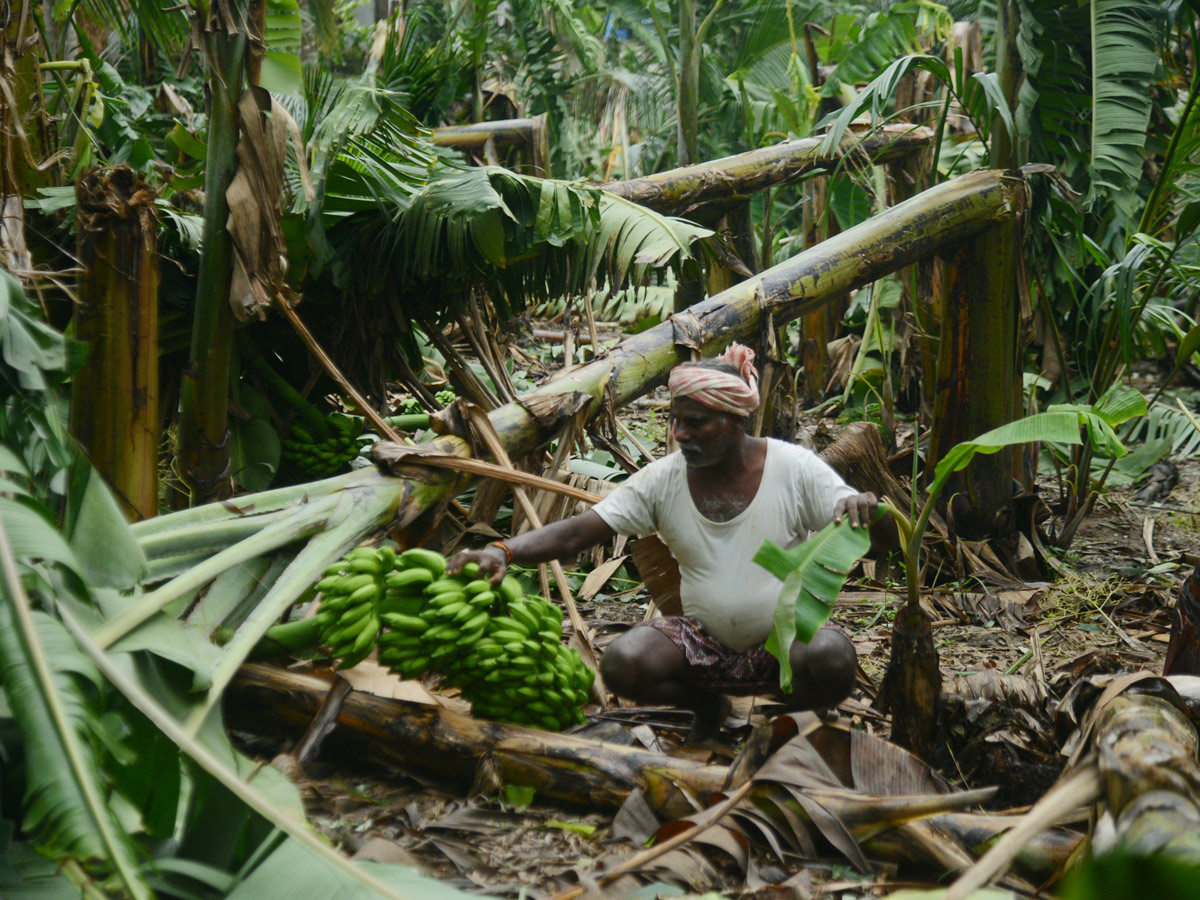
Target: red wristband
point(508, 554)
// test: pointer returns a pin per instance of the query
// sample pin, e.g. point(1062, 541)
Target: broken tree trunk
point(978, 368)
point(114, 397)
point(421, 737)
point(729, 180)
point(529, 133)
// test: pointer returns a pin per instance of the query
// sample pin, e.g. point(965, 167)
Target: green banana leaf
point(1059, 423)
point(65, 797)
point(812, 574)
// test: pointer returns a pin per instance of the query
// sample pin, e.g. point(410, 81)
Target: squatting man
point(712, 502)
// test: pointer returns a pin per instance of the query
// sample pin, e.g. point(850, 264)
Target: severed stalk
point(305, 521)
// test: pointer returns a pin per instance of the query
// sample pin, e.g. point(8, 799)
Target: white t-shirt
point(721, 585)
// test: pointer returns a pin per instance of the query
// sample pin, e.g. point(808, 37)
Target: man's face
point(704, 435)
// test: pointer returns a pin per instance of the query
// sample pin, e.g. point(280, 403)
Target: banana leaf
point(65, 798)
point(812, 574)
point(1059, 423)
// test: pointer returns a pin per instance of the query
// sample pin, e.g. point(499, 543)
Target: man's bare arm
point(557, 540)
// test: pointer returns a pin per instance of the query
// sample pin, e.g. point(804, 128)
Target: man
point(713, 503)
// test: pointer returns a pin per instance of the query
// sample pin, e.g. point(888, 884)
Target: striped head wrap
point(720, 390)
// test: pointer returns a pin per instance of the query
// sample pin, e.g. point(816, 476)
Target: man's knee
point(829, 664)
point(639, 657)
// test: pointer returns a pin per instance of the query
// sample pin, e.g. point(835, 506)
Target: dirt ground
point(1106, 609)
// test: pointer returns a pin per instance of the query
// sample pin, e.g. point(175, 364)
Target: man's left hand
point(860, 509)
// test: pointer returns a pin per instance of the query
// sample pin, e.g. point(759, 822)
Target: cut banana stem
point(208, 536)
point(284, 498)
point(305, 521)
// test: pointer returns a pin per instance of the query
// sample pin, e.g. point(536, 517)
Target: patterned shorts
point(714, 667)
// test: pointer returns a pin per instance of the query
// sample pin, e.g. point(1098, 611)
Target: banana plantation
point(301, 298)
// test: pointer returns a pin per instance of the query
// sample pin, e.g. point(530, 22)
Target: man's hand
point(860, 508)
point(492, 561)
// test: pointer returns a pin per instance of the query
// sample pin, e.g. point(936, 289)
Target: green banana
point(426, 559)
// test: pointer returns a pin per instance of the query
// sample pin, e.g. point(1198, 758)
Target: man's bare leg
point(822, 671)
point(645, 666)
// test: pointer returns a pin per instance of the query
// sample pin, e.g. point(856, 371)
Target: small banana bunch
point(321, 457)
point(521, 672)
point(351, 591)
point(502, 647)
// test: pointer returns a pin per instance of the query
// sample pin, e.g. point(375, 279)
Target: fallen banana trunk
point(683, 190)
point(1147, 755)
point(502, 133)
point(407, 736)
point(928, 830)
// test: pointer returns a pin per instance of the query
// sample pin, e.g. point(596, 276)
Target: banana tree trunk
point(1147, 754)
point(204, 392)
point(114, 398)
point(978, 368)
point(731, 179)
point(410, 736)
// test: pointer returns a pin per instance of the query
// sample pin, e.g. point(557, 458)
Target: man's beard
point(702, 456)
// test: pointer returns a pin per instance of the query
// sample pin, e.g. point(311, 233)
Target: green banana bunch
point(321, 458)
point(351, 592)
point(521, 672)
point(503, 648)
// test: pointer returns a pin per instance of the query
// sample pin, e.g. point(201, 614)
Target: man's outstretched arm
point(557, 540)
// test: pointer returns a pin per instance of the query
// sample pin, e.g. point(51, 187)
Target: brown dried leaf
point(598, 577)
point(255, 198)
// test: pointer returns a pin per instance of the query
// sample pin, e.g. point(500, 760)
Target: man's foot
point(709, 717)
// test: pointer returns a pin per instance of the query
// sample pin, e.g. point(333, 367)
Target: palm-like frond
point(884, 38)
point(1084, 104)
point(526, 238)
point(1124, 60)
